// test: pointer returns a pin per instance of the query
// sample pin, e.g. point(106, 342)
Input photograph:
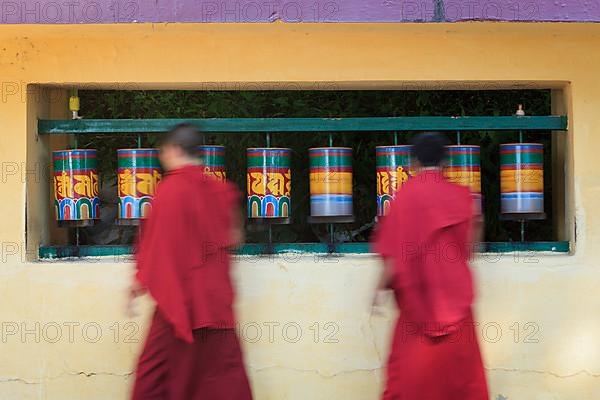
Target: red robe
point(426, 236)
point(191, 351)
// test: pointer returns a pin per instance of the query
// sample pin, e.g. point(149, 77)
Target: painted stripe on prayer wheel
point(213, 159)
point(75, 185)
point(522, 178)
point(464, 168)
point(330, 181)
point(269, 182)
point(138, 173)
point(393, 166)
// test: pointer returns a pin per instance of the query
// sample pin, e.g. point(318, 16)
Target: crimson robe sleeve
point(387, 232)
point(157, 260)
point(388, 240)
point(381, 238)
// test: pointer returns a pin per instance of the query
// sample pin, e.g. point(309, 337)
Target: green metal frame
point(256, 249)
point(308, 125)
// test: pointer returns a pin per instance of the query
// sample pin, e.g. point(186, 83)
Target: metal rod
point(395, 138)
point(268, 139)
point(330, 140)
point(522, 221)
point(270, 249)
point(331, 238)
point(139, 141)
point(458, 138)
point(77, 236)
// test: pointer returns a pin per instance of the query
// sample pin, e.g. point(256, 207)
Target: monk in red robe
point(426, 242)
point(192, 351)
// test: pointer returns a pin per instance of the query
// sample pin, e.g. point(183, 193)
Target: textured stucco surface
point(280, 301)
point(558, 294)
point(127, 11)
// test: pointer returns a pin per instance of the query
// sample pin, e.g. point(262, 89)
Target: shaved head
point(185, 136)
point(429, 148)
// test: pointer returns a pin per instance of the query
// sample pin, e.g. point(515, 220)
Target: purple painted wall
point(111, 11)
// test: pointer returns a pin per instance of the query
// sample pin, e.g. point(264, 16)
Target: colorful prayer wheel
point(393, 165)
point(269, 182)
point(213, 159)
point(76, 187)
point(138, 172)
point(330, 181)
point(464, 168)
point(522, 179)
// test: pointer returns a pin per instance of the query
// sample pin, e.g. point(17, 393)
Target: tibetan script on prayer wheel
point(393, 165)
point(269, 182)
point(75, 185)
point(138, 172)
point(213, 160)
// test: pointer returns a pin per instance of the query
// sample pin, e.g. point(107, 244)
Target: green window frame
point(551, 123)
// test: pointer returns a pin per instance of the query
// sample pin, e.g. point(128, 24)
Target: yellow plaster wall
point(556, 293)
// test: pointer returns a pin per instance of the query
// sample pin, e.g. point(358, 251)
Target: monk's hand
point(377, 306)
point(135, 290)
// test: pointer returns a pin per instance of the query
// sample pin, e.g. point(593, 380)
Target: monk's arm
point(384, 281)
point(478, 229)
point(148, 237)
point(237, 230)
point(385, 277)
point(136, 288)
point(384, 239)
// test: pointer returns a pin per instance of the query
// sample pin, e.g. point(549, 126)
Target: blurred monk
point(426, 242)
point(192, 351)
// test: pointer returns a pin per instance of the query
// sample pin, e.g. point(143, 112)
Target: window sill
point(253, 249)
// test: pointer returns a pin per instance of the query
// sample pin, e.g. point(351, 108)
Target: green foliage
point(240, 104)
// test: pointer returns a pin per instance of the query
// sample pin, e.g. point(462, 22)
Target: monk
point(426, 243)
point(192, 351)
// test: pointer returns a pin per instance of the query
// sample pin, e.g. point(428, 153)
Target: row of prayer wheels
point(394, 168)
point(76, 185)
point(521, 176)
point(269, 180)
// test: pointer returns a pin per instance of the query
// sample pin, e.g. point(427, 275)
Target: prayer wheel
point(213, 159)
point(76, 199)
point(269, 183)
point(522, 180)
point(464, 168)
point(330, 182)
point(393, 165)
point(138, 173)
